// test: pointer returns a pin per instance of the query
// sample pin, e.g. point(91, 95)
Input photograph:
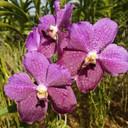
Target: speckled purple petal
point(33, 40)
point(48, 48)
point(104, 33)
point(19, 87)
point(45, 23)
point(63, 99)
point(58, 76)
point(57, 5)
point(72, 60)
point(31, 109)
point(114, 59)
point(89, 77)
point(36, 64)
point(63, 15)
point(62, 41)
point(80, 36)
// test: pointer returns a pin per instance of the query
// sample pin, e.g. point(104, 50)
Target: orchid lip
point(53, 31)
point(91, 57)
point(42, 92)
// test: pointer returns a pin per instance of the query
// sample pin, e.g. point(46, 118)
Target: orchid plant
point(84, 53)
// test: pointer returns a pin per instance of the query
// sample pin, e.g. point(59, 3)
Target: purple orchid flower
point(53, 81)
point(50, 28)
point(86, 57)
point(34, 42)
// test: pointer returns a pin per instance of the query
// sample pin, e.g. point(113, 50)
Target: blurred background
point(106, 107)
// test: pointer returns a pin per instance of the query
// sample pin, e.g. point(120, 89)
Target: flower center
point(42, 92)
point(91, 57)
point(53, 32)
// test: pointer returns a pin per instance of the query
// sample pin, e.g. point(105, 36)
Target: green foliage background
point(106, 107)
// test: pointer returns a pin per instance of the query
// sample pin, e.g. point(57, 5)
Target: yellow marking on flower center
point(42, 92)
point(91, 57)
point(53, 31)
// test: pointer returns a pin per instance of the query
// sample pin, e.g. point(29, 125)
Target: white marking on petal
point(91, 57)
point(53, 31)
point(42, 92)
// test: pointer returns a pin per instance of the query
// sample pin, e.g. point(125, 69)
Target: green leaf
point(58, 124)
point(11, 13)
point(11, 27)
point(16, 8)
point(61, 124)
point(37, 4)
point(2, 68)
point(7, 110)
point(15, 2)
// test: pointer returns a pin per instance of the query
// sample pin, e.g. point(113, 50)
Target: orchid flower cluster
point(84, 53)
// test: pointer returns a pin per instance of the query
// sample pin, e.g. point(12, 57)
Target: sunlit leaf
point(10, 27)
point(7, 110)
point(10, 13)
point(16, 8)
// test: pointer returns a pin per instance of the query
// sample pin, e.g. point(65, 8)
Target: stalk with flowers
point(84, 53)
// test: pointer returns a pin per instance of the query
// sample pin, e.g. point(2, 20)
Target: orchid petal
point(63, 99)
point(33, 40)
point(45, 23)
point(89, 77)
point(104, 33)
point(31, 109)
point(72, 60)
point(19, 87)
point(80, 36)
point(48, 48)
point(36, 64)
point(58, 76)
point(63, 15)
point(62, 41)
point(114, 59)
